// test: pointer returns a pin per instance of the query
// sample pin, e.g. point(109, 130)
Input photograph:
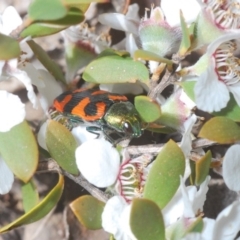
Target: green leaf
point(47, 62)
point(186, 41)
point(9, 47)
point(221, 130)
point(61, 145)
point(44, 28)
point(150, 56)
point(148, 109)
point(88, 211)
point(19, 150)
point(232, 110)
point(164, 177)
point(115, 69)
point(46, 10)
point(39, 211)
point(30, 195)
point(188, 87)
point(40, 30)
point(202, 168)
point(146, 220)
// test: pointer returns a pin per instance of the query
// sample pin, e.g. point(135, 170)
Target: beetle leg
point(94, 130)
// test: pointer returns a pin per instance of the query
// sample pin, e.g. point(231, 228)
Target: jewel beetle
point(100, 110)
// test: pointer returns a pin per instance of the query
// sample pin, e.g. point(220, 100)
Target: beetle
point(100, 110)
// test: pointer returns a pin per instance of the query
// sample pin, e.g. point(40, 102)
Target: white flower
point(219, 74)
point(6, 177)
point(115, 218)
point(216, 19)
point(128, 23)
point(231, 168)
point(225, 227)
point(98, 161)
point(12, 111)
point(9, 20)
point(171, 9)
point(186, 202)
point(132, 175)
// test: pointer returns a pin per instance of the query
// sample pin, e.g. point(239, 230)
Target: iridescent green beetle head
point(124, 118)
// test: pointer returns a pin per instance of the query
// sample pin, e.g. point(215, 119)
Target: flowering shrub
point(148, 191)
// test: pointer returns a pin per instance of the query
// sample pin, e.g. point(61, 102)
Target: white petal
point(119, 21)
point(98, 161)
point(174, 209)
point(132, 12)
point(187, 100)
point(114, 217)
point(41, 136)
point(231, 168)
point(24, 78)
point(200, 196)
point(228, 223)
point(6, 177)
point(186, 142)
point(33, 74)
point(210, 93)
point(82, 135)
point(224, 38)
point(12, 111)
point(208, 228)
point(11, 20)
point(131, 45)
point(171, 9)
point(235, 90)
point(188, 193)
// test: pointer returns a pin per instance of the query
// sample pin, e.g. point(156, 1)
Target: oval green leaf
point(202, 168)
point(148, 109)
point(61, 145)
point(46, 10)
point(188, 87)
point(146, 220)
point(47, 62)
point(164, 176)
point(221, 130)
point(232, 110)
point(40, 30)
point(39, 211)
point(150, 56)
point(44, 28)
point(88, 211)
point(30, 195)
point(19, 150)
point(115, 69)
point(9, 47)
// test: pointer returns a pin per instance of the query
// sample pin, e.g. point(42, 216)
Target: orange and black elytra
point(109, 111)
